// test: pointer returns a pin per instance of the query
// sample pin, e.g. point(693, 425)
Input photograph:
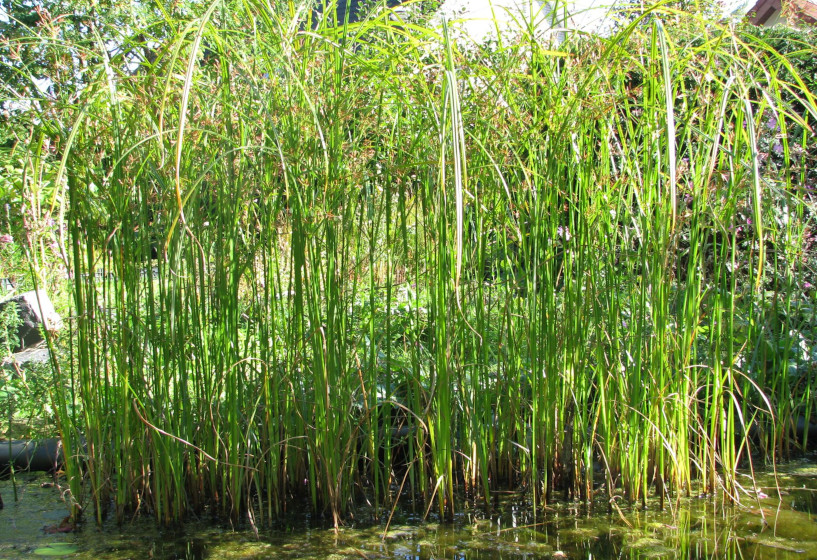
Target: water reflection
point(767, 527)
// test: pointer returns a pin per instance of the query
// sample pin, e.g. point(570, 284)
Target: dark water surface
point(695, 528)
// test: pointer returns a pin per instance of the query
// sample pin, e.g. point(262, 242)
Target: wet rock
point(67, 525)
point(34, 313)
point(44, 455)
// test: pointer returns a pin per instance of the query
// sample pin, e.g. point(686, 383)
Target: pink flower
point(6, 239)
point(563, 232)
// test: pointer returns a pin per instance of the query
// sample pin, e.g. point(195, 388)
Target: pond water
point(695, 528)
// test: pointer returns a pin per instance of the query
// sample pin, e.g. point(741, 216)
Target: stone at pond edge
point(27, 358)
point(34, 312)
point(67, 525)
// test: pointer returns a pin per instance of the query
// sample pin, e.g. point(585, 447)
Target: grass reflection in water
point(697, 529)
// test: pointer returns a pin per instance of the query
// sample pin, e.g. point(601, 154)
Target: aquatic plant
point(316, 259)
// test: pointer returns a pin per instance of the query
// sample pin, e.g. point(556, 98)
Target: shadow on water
point(767, 526)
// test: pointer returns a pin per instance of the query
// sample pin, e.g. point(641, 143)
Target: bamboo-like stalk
point(376, 263)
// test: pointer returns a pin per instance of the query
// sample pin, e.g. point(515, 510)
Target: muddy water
point(770, 525)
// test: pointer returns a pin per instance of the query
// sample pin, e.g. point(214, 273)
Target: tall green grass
point(364, 261)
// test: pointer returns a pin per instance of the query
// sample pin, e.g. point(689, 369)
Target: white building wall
point(479, 20)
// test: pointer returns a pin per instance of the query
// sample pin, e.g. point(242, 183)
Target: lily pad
point(56, 549)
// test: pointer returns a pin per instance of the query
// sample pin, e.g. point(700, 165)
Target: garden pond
point(695, 528)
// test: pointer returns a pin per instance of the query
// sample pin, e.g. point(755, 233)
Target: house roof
point(769, 12)
point(807, 9)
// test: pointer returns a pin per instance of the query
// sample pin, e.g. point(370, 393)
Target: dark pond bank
point(696, 529)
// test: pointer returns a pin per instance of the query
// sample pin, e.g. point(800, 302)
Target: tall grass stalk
point(314, 262)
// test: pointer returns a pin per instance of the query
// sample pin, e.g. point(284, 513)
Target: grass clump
point(324, 261)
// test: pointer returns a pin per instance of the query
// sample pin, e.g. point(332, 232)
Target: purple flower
point(771, 124)
point(808, 286)
point(778, 148)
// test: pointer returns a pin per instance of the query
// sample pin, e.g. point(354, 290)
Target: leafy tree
point(50, 50)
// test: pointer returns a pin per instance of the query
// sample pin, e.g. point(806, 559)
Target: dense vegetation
point(334, 261)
